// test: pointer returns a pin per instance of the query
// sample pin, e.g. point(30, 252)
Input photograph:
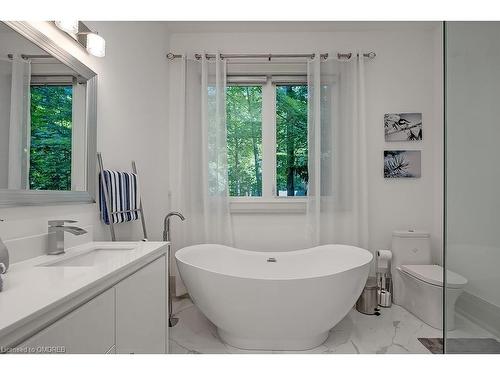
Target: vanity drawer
point(90, 329)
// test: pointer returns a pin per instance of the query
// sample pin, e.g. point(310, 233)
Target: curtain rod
point(269, 56)
point(11, 56)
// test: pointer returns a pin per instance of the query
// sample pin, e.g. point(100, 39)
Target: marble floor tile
point(394, 331)
point(174, 348)
point(181, 303)
point(196, 333)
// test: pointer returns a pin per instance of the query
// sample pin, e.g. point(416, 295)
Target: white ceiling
point(294, 26)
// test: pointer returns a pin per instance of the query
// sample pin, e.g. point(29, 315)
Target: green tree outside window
point(244, 140)
point(50, 146)
point(291, 140)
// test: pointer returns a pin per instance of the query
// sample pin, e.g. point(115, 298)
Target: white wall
point(133, 111)
point(406, 76)
point(132, 117)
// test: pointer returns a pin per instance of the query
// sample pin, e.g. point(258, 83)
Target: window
point(244, 140)
point(267, 137)
point(51, 136)
point(291, 140)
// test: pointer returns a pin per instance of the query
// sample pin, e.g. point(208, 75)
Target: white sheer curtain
point(199, 155)
point(20, 124)
point(337, 208)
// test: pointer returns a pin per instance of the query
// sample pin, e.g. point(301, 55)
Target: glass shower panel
point(472, 214)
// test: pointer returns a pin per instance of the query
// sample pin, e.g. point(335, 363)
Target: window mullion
point(268, 140)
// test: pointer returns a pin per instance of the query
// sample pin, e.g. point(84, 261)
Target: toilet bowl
point(418, 284)
point(422, 293)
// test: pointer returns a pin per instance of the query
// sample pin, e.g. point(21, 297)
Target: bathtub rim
point(270, 254)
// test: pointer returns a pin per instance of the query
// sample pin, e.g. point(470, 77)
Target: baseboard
point(479, 311)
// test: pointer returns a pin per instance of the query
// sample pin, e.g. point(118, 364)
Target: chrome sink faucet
point(56, 235)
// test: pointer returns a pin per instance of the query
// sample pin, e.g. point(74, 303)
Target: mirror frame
point(13, 198)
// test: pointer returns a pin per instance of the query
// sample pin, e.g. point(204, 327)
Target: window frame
point(269, 202)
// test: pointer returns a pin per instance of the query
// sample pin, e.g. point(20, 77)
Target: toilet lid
point(433, 274)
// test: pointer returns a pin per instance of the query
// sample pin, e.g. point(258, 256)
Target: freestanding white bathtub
point(274, 300)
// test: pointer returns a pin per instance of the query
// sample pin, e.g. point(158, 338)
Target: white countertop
point(30, 290)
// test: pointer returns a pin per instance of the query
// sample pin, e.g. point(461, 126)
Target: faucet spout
point(56, 235)
point(77, 231)
point(166, 224)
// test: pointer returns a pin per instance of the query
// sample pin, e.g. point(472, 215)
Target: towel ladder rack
point(106, 199)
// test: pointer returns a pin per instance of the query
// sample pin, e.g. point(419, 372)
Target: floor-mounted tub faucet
point(166, 237)
point(56, 235)
point(166, 224)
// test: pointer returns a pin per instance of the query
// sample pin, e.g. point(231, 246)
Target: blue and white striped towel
point(123, 193)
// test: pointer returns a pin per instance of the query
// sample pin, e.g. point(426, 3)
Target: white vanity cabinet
point(128, 317)
point(90, 329)
point(141, 310)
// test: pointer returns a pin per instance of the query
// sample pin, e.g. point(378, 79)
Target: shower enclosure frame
point(445, 323)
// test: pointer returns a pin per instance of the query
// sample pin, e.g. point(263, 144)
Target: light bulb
point(96, 45)
point(69, 26)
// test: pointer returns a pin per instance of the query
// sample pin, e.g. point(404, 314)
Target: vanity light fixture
point(87, 38)
point(68, 26)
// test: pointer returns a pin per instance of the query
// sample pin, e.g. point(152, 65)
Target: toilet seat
point(433, 274)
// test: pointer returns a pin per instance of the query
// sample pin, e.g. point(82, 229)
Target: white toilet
point(418, 284)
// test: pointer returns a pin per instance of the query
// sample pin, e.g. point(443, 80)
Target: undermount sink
point(88, 258)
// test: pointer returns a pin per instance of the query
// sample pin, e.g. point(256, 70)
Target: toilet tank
point(410, 247)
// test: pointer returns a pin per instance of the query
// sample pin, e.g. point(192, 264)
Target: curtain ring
point(346, 56)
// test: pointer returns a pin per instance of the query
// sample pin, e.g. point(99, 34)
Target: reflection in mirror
point(42, 119)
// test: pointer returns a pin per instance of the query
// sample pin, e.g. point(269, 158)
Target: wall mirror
point(47, 121)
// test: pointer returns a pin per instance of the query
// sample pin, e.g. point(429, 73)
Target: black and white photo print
point(402, 164)
point(400, 127)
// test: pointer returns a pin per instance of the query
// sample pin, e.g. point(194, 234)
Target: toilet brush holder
point(384, 278)
point(4, 256)
point(384, 298)
point(384, 290)
point(2, 270)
